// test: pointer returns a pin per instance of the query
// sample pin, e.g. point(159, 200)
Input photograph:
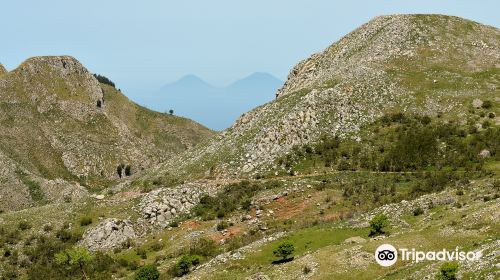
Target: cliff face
point(420, 64)
point(58, 122)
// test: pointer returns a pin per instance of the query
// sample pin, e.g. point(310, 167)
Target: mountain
point(189, 84)
point(215, 107)
point(405, 63)
point(61, 130)
point(389, 136)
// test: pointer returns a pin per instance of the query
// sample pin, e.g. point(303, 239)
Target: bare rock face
point(162, 206)
point(108, 234)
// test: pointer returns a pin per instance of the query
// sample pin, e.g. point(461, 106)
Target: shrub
point(85, 221)
point(448, 271)
point(104, 80)
point(157, 246)
point(64, 235)
point(183, 266)
point(47, 227)
point(378, 225)
point(24, 225)
point(418, 211)
point(203, 247)
point(147, 272)
point(487, 104)
point(129, 243)
point(284, 250)
point(233, 197)
point(123, 262)
point(222, 225)
point(141, 252)
point(173, 224)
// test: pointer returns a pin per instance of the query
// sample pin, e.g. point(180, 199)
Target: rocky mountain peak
point(385, 38)
point(60, 81)
point(418, 64)
point(62, 64)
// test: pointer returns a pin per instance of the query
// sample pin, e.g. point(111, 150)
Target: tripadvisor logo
point(387, 255)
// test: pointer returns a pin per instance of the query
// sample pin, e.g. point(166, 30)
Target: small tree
point(284, 250)
point(171, 112)
point(183, 266)
point(78, 257)
point(147, 272)
point(378, 224)
point(448, 271)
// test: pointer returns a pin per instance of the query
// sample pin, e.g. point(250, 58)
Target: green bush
point(222, 225)
point(157, 246)
point(104, 80)
point(448, 271)
point(24, 225)
point(147, 272)
point(174, 224)
point(487, 104)
point(418, 211)
point(284, 250)
point(85, 221)
point(141, 252)
point(378, 225)
point(183, 266)
point(203, 247)
point(233, 197)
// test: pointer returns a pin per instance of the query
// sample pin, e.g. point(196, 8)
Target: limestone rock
point(108, 234)
point(477, 103)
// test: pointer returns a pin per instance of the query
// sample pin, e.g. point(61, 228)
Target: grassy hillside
point(58, 122)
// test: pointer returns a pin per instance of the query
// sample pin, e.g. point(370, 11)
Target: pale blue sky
point(142, 45)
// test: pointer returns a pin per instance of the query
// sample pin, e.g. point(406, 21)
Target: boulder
point(108, 234)
point(355, 240)
point(485, 153)
point(477, 103)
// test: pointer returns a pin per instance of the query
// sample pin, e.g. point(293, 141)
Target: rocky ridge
point(352, 83)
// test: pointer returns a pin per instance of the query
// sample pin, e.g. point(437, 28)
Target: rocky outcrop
point(2, 69)
point(109, 234)
point(162, 206)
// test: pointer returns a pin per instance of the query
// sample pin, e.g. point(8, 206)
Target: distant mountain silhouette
point(215, 107)
point(187, 84)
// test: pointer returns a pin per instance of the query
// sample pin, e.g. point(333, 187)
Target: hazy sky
point(142, 45)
